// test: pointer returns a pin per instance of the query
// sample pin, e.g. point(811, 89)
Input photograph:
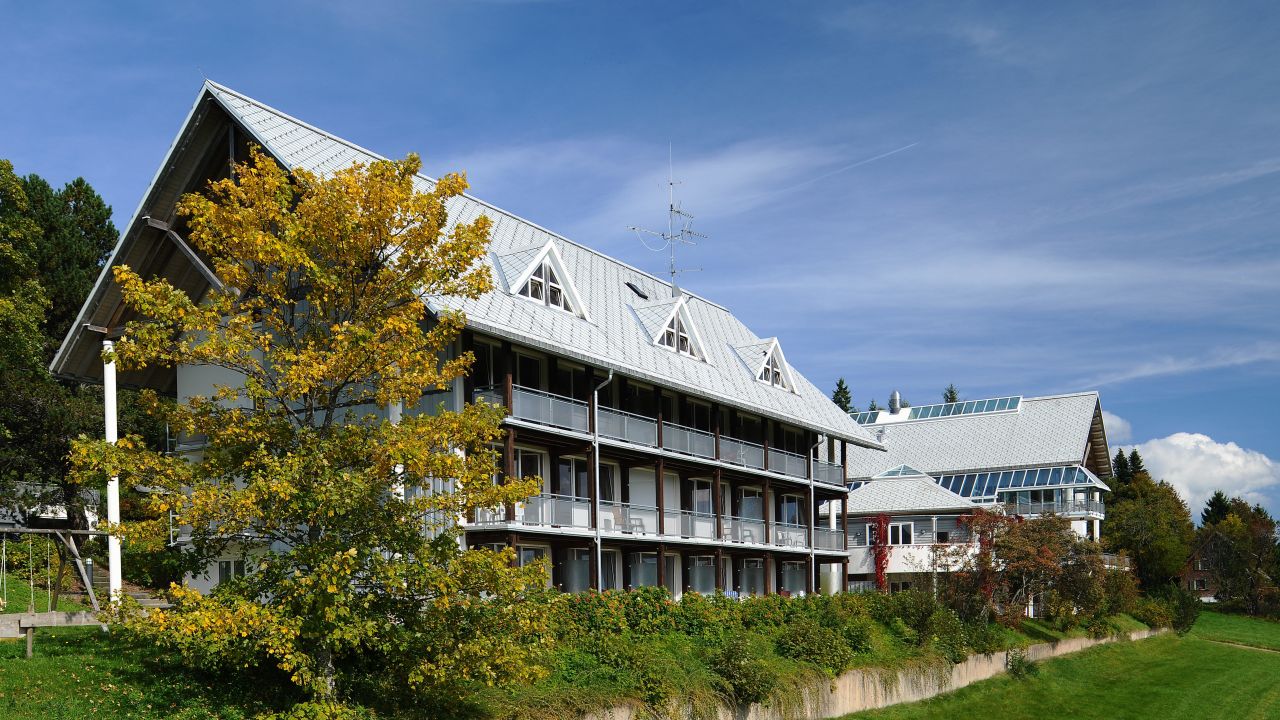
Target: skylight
point(966, 407)
point(867, 417)
point(982, 487)
point(900, 471)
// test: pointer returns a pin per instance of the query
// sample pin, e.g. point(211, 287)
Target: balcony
point(742, 529)
point(628, 519)
point(827, 539)
point(790, 535)
point(628, 427)
point(545, 510)
point(1066, 508)
point(741, 452)
point(543, 408)
point(690, 524)
point(788, 463)
point(689, 441)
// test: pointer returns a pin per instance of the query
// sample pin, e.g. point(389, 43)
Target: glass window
point(702, 497)
point(989, 487)
point(1055, 478)
point(967, 489)
point(1013, 403)
point(545, 286)
point(789, 510)
point(676, 336)
point(1042, 477)
point(771, 373)
point(1003, 404)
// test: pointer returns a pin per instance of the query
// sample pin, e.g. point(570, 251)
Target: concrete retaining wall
point(859, 690)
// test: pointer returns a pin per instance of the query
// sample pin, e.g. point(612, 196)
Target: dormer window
point(772, 373)
point(543, 286)
point(676, 337)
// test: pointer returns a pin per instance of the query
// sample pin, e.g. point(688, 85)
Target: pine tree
point(950, 394)
point(873, 406)
point(1216, 510)
point(842, 397)
point(1120, 468)
point(1135, 463)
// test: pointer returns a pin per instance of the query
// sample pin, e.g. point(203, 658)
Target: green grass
point(19, 594)
point(1238, 629)
point(1164, 677)
point(81, 672)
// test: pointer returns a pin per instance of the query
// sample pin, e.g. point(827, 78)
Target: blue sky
point(1083, 197)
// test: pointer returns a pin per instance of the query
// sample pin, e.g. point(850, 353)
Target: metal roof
point(1042, 431)
point(618, 330)
point(908, 493)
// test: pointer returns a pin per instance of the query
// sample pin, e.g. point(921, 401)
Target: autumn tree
point(358, 583)
point(1241, 552)
point(842, 397)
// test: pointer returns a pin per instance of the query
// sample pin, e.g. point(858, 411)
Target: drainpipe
point(815, 583)
point(595, 459)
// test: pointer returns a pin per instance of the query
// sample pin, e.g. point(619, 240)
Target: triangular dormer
point(544, 279)
point(770, 365)
point(678, 334)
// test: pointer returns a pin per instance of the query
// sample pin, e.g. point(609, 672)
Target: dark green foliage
point(946, 635)
point(950, 394)
point(1120, 591)
point(842, 397)
point(748, 676)
point(1216, 510)
point(1120, 468)
point(873, 406)
point(807, 641)
point(1152, 524)
point(1135, 463)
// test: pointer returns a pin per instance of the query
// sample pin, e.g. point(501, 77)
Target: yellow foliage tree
point(321, 314)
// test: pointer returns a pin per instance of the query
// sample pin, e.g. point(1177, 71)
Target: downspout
point(595, 459)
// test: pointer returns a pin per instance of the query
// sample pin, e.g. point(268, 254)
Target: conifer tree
point(1216, 510)
point(950, 394)
point(1120, 468)
point(1135, 463)
point(873, 406)
point(842, 397)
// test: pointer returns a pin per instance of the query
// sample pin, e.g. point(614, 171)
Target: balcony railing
point(542, 510)
point(742, 529)
point(862, 586)
point(741, 452)
point(689, 524)
point(788, 463)
point(828, 539)
point(827, 473)
point(1116, 562)
point(544, 408)
point(628, 427)
point(1063, 507)
point(626, 518)
point(790, 535)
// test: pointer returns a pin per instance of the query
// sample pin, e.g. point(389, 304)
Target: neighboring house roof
point(1042, 431)
point(904, 494)
point(619, 328)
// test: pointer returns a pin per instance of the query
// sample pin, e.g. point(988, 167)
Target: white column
point(116, 582)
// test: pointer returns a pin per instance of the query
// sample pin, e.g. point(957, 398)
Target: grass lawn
point(81, 672)
point(19, 594)
point(1164, 677)
point(1237, 629)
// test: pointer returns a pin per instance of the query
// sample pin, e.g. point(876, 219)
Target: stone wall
point(859, 690)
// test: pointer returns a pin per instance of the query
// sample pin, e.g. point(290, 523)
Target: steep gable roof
point(914, 493)
point(614, 332)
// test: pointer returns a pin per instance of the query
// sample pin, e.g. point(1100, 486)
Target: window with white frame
point(702, 503)
point(772, 373)
point(789, 510)
point(899, 534)
point(676, 337)
point(545, 287)
point(229, 570)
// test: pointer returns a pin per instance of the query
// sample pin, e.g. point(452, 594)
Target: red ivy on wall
point(880, 546)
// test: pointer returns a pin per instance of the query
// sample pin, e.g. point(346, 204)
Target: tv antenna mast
point(679, 230)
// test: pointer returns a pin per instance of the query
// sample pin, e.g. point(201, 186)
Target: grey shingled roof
point(912, 493)
point(1044, 431)
point(621, 326)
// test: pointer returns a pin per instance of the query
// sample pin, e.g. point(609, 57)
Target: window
point(545, 287)
point(526, 555)
point(897, 587)
point(702, 497)
point(943, 537)
point(676, 336)
point(1202, 584)
point(899, 533)
point(771, 373)
point(789, 510)
point(230, 569)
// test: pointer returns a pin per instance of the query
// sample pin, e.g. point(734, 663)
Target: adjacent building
point(676, 447)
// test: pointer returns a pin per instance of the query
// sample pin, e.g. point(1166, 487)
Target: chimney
point(895, 402)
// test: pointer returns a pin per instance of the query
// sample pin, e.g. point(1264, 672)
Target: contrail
point(860, 163)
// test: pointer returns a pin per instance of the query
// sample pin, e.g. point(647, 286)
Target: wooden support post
point(716, 504)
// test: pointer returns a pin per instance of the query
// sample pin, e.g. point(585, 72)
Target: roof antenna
point(672, 237)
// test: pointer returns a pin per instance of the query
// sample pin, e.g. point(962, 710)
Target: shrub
point(1121, 592)
point(706, 616)
point(857, 635)
point(982, 637)
point(1183, 608)
point(748, 677)
point(807, 641)
point(1020, 666)
point(1154, 612)
point(945, 634)
point(903, 631)
point(1102, 626)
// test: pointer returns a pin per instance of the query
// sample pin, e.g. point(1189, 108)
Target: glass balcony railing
point(688, 441)
point(790, 535)
point(545, 408)
point(788, 463)
point(827, 473)
point(628, 427)
point(742, 529)
point(629, 519)
point(741, 452)
point(1071, 508)
point(828, 539)
point(690, 524)
point(544, 510)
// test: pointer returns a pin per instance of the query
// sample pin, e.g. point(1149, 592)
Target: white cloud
point(1197, 466)
point(1118, 429)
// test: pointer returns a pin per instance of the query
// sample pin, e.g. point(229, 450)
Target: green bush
point(1154, 612)
point(857, 635)
point(903, 631)
point(1121, 592)
point(706, 616)
point(807, 641)
point(946, 634)
point(983, 637)
point(748, 677)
